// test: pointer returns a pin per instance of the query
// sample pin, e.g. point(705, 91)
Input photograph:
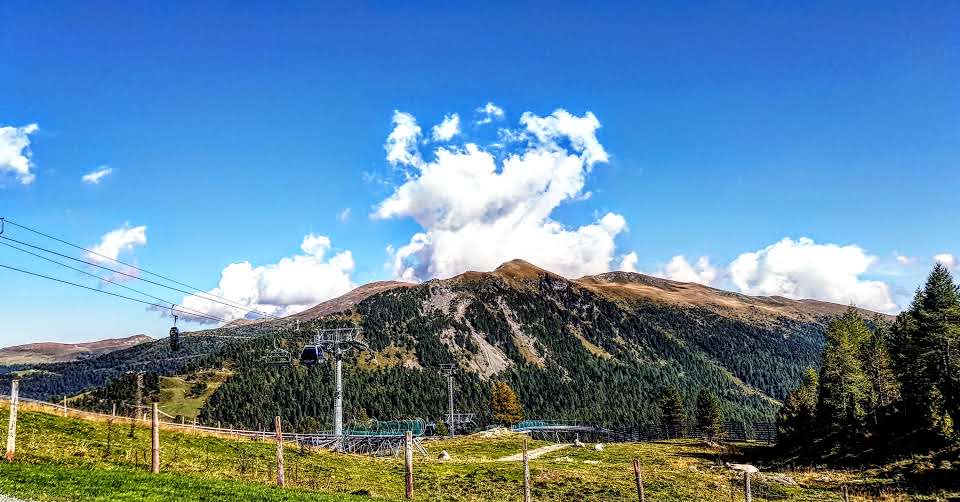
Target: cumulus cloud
point(679, 269)
point(15, 152)
point(293, 284)
point(804, 269)
point(448, 128)
point(477, 210)
point(114, 242)
point(488, 113)
point(401, 145)
point(947, 259)
point(628, 263)
point(94, 177)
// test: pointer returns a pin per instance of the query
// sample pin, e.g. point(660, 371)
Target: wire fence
point(244, 456)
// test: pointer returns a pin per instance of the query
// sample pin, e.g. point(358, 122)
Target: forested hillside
point(600, 349)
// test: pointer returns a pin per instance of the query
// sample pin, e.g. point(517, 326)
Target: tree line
point(881, 388)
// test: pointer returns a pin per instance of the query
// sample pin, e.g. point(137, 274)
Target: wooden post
point(746, 487)
point(639, 476)
point(12, 428)
point(114, 412)
point(155, 441)
point(408, 462)
point(64, 405)
point(526, 472)
point(846, 494)
point(281, 479)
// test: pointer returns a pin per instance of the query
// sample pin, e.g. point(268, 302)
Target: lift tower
point(448, 370)
point(335, 341)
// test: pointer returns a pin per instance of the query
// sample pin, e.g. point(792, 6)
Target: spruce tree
point(924, 347)
point(877, 363)
point(709, 415)
point(796, 418)
point(672, 414)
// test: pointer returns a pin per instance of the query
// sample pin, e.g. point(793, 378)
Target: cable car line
point(195, 291)
point(172, 309)
point(104, 279)
point(122, 273)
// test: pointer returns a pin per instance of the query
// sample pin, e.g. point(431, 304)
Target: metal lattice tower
point(448, 370)
point(337, 341)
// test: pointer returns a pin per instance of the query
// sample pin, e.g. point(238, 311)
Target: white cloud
point(804, 269)
point(119, 240)
point(629, 262)
point(401, 145)
point(477, 211)
point(15, 152)
point(488, 113)
point(947, 259)
point(94, 177)
point(448, 128)
point(904, 260)
point(291, 285)
point(679, 269)
point(344, 215)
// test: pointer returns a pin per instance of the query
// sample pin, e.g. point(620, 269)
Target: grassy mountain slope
point(49, 352)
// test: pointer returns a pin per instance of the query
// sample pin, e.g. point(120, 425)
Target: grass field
point(72, 459)
point(176, 397)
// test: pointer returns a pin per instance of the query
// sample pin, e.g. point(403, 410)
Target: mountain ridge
point(56, 352)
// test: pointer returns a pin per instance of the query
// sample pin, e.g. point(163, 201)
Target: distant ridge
point(52, 352)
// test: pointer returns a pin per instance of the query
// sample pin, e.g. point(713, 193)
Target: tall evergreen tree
point(796, 418)
point(924, 347)
point(709, 415)
point(672, 414)
point(844, 387)
point(877, 364)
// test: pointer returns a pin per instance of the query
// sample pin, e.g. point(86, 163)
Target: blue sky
point(234, 130)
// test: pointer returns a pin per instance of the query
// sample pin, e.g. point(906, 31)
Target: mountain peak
point(519, 269)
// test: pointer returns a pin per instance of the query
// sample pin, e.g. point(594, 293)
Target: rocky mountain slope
point(50, 352)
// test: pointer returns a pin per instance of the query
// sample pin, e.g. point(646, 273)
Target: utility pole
point(448, 371)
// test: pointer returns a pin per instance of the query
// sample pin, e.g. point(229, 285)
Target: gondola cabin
point(310, 355)
point(174, 339)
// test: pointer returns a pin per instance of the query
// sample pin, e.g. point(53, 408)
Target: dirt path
point(532, 454)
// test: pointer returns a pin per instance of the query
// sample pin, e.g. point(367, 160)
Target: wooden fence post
point(64, 405)
point(12, 428)
point(281, 478)
point(746, 487)
point(639, 476)
point(114, 412)
point(846, 494)
point(526, 472)
point(408, 462)
point(155, 441)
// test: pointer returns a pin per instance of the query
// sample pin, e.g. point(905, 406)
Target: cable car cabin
point(174, 339)
point(310, 355)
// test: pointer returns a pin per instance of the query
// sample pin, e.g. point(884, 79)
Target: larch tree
point(709, 414)
point(505, 404)
point(672, 413)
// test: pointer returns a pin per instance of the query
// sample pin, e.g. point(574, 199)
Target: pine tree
point(709, 415)
point(672, 414)
point(924, 343)
point(797, 417)
point(877, 363)
point(844, 386)
point(506, 406)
